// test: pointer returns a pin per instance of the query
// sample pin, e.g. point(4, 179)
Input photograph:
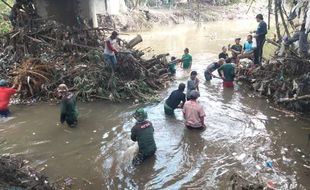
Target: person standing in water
point(174, 100)
point(192, 83)
point(68, 108)
point(212, 67)
point(227, 73)
point(186, 61)
point(5, 96)
point(193, 112)
point(143, 133)
point(260, 35)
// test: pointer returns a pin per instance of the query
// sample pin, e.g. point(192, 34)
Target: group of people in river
point(143, 131)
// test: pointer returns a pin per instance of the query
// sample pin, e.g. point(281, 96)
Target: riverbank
point(144, 18)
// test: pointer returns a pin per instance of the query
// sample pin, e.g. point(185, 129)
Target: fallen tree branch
point(282, 100)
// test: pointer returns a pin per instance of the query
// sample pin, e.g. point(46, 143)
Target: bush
point(5, 24)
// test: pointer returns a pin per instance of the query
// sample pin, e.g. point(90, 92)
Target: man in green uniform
point(68, 109)
point(186, 60)
point(143, 133)
point(227, 72)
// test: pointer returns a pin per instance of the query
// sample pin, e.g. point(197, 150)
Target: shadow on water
point(242, 132)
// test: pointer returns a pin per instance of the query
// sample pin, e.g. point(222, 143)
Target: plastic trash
point(269, 164)
point(270, 185)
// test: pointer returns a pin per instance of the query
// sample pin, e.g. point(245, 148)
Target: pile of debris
point(285, 81)
point(16, 174)
point(42, 54)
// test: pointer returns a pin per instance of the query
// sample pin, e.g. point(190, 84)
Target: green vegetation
point(5, 25)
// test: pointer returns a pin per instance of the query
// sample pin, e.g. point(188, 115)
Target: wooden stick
point(7, 4)
point(283, 19)
point(281, 100)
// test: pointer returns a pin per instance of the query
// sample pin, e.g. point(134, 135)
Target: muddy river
point(243, 132)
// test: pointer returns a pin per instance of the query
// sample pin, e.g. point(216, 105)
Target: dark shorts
point(5, 113)
point(168, 110)
point(208, 77)
point(195, 128)
point(139, 158)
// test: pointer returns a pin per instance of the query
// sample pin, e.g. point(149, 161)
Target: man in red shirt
point(5, 96)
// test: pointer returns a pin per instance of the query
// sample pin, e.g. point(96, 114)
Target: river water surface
point(243, 132)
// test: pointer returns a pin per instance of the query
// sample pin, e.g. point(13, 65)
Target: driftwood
point(305, 97)
point(132, 43)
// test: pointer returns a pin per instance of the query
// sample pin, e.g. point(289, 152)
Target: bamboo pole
point(269, 12)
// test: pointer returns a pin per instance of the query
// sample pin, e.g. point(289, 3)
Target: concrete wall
point(66, 10)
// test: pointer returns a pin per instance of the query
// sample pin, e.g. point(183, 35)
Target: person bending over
point(212, 67)
point(193, 112)
point(175, 99)
point(5, 96)
point(143, 133)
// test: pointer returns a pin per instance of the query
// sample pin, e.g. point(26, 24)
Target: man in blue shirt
point(260, 38)
point(248, 50)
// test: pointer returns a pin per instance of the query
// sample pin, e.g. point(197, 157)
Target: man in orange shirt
point(193, 112)
point(5, 96)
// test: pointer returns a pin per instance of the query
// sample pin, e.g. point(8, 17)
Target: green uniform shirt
point(229, 71)
point(187, 61)
point(68, 109)
point(143, 133)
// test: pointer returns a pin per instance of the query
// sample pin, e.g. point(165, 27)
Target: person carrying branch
point(212, 67)
point(68, 108)
point(143, 133)
point(5, 96)
point(110, 50)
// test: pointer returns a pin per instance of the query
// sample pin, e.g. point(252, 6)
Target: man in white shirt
point(109, 50)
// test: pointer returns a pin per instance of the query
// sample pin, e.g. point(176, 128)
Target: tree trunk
point(283, 19)
point(277, 20)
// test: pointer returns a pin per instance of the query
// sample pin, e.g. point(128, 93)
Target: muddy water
point(243, 132)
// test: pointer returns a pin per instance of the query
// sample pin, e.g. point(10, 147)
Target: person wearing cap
point(235, 49)
point(143, 133)
point(175, 99)
point(110, 50)
point(192, 83)
point(224, 53)
point(5, 96)
point(186, 61)
point(212, 67)
point(68, 108)
point(193, 112)
point(260, 35)
point(227, 73)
